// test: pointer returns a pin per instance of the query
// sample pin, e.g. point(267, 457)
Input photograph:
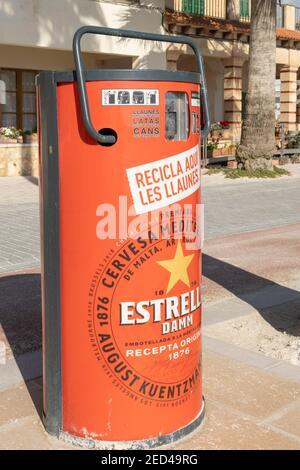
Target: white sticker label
point(130, 97)
point(164, 182)
point(195, 98)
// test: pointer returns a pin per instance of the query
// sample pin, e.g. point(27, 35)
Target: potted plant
point(224, 150)
point(30, 137)
point(9, 135)
point(231, 149)
point(211, 146)
point(294, 140)
point(213, 150)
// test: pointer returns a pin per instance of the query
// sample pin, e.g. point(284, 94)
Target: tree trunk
point(258, 128)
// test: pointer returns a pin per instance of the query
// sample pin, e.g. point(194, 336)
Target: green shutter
point(244, 8)
point(196, 7)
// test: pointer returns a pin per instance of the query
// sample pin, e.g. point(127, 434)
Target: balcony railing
point(211, 8)
point(287, 15)
point(297, 25)
point(245, 7)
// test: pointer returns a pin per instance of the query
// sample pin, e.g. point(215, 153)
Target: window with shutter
point(196, 7)
point(244, 8)
point(18, 102)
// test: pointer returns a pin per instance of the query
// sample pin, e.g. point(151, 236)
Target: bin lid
point(130, 75)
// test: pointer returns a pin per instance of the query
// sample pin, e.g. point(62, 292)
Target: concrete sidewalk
point(246, 408)
point(231, 206)
point(252, 393)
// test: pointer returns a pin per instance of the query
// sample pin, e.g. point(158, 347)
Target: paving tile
point(20, 402)
point(223, 430)
point(29, 434)
point(20, 314)
point(26, 367)
point(226, 211)
point(271, 334)
point(286, 371)
point(247, 389)
point(235, 352)
point(21, 428)
point(237, 398)
point(19, 209)
point(19, 219)
point(289, 421)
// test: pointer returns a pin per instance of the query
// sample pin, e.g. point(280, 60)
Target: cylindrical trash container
point(120, 221)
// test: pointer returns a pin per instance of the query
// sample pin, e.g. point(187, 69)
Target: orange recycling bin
point(121, 250)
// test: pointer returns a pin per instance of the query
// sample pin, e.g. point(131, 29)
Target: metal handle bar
point(80, 76)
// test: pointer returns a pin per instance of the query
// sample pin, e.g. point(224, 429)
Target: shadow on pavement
point(33, 179)
point(243, 284)
point(20, 308)
point(20, 320)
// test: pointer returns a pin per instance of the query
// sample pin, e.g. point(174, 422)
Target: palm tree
point(258, 135)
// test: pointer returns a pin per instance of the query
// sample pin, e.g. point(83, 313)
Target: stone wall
point(19, 159)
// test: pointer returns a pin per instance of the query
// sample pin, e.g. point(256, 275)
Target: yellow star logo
point(178, 267)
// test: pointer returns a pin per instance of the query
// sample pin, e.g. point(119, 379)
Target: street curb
point(248, 303)
point(281, 369)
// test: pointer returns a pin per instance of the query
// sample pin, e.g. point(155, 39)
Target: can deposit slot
point(177, 115)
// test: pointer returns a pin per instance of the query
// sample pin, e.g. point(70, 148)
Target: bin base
point(135, 445)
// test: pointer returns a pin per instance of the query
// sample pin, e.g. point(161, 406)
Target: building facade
point(37, 35)
point(222, 30)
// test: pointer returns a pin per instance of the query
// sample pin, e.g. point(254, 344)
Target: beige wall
point(289, 17)
point(214, 51)
point(215, 84)
point(35, 58)
point(214, 70)
point(50, 24)
point(37, 34)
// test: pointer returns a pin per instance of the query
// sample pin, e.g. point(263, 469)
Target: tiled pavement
point(252, 401)
point(19, 224)
point(238, 206)
point(246, 408)
point(230, 207)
